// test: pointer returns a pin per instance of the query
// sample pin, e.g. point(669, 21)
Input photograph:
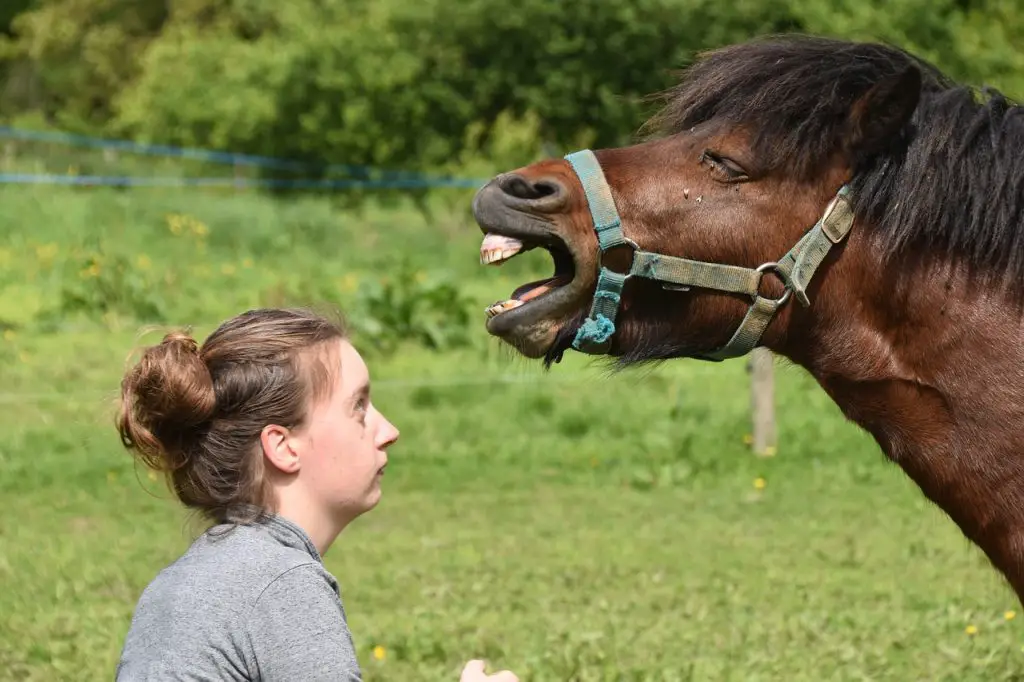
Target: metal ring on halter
point(766, 267)
point(629, 243)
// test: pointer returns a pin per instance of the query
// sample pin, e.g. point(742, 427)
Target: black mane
point(954, 182)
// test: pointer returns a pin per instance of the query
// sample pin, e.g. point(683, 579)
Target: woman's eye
point(727, 169)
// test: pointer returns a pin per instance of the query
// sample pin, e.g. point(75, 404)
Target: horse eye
point(727, 167)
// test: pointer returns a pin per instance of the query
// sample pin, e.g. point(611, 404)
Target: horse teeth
point(496, 248)
point(502, 306)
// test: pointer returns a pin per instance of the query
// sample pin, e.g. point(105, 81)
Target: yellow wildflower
point(46, 252)
point(92, 271)
point(379, 653)
point(174, 223)
point(1010, 615)
point(760, 483)
point(971, 629)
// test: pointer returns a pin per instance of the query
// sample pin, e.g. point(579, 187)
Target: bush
point(407, 305)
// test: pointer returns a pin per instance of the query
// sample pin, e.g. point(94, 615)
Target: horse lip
point(496, 212)
point(551, 306)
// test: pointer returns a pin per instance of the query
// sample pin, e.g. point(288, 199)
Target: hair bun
point(183, 340)
point(166, 401)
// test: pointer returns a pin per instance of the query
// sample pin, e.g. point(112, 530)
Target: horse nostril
point(519, 187)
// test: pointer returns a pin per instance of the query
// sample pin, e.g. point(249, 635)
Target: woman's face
point(344, 441)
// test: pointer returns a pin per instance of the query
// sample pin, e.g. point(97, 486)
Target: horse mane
point(952, 184)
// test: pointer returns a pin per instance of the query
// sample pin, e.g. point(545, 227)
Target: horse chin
point(532, 341)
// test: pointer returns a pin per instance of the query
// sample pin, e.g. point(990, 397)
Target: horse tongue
point(541, 287)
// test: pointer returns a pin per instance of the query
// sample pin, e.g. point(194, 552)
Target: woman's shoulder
point(298, 628)
point(222, 596)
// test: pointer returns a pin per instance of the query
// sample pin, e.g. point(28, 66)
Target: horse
point(845, 205)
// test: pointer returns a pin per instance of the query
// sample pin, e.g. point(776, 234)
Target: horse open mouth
point(532, 297)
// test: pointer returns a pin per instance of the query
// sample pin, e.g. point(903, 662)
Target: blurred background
point(175, 162)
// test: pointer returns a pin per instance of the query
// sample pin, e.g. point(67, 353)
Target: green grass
point(573, 525)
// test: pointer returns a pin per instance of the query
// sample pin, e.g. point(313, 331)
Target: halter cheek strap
point(795, 268)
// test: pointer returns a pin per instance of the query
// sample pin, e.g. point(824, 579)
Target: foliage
point(414, 85)
point(82, 53)
point(10, 9)
point(99, 284)
point(405, 305)
point(103, 257)
point(972, 40)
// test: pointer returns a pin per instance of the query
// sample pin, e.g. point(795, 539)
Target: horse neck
point(933, 370)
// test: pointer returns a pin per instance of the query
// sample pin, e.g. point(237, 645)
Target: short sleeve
point(297, 630)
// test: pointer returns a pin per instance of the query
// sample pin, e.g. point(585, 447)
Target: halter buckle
point(837, 228)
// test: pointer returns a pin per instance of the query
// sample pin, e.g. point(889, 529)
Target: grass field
point(570, 525)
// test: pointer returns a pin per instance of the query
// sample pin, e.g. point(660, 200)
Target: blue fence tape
point(279, 183)
point(208, 155)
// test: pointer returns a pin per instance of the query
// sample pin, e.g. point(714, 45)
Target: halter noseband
point(795, 268)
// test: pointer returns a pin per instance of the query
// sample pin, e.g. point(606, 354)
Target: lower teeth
point(502, 306)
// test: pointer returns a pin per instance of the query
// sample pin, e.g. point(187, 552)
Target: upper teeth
point(496, 248)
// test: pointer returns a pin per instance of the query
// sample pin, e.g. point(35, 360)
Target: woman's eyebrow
point(361, 392)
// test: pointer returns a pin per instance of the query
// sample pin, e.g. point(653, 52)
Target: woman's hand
point(474, 672)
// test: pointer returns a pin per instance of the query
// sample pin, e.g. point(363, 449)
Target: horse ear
point(880, 113)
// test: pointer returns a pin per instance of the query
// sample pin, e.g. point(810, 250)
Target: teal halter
point(795, 269)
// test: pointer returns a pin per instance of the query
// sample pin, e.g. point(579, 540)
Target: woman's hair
point(196, 413)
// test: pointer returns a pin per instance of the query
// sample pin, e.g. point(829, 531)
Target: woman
point(269, 432)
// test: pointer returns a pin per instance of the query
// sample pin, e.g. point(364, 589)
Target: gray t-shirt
point(252, 603)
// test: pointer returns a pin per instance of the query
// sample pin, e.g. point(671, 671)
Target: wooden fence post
point(762, 402)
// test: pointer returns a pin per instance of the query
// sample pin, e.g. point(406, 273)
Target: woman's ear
point(277, 443)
